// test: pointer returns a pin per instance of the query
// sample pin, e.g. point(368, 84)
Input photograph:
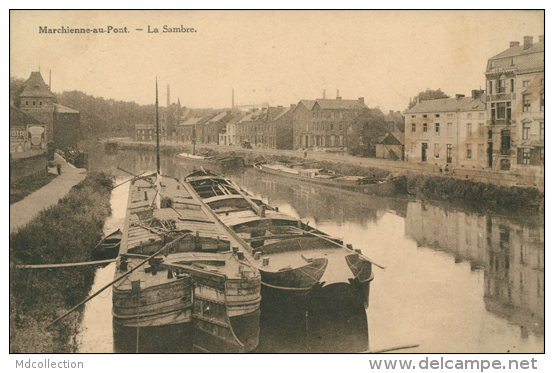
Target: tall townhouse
point(231, 129)
point(515, 107)
point(447, 131)
point(324, 123)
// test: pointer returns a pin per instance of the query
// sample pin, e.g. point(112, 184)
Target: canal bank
point(64, 233)
point(500, 178)
point(497, 191)
point(25, 210)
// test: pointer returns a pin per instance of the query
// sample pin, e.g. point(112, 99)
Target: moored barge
point(300, 266)
point(200, 279)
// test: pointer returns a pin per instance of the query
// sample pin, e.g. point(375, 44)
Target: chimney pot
point(527, 42)
point(361, 99)
point(514, 44)
point(459, 96)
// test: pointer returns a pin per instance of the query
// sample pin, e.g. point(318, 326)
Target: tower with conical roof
point(38, 101)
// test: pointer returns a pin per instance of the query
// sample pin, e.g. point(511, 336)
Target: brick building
point(214, 127)
point(324, 123)
point(62, 124)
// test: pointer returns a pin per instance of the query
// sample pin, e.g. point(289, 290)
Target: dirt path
point(23, 211)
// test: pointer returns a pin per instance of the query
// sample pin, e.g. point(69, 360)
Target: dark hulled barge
point(200, 280)
point(300, 266)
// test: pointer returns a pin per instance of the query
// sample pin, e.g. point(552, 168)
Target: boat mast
point(157, 132)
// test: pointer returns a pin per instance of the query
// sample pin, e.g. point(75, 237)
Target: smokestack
point(527, 42)
point(168, 98)
point(514, 44)
point(338, 94)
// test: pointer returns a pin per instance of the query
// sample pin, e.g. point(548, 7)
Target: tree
point(428, 94)
point(16, 87)
point(368, 126)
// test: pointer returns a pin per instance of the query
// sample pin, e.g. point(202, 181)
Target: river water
point(454, 281)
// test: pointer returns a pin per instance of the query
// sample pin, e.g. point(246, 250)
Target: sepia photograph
point(277, 182)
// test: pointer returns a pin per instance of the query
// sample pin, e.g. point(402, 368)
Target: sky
point(275, 57)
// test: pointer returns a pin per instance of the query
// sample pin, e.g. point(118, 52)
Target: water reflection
point(455, 281)
point(512, 255)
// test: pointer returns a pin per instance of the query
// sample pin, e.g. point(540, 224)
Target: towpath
point(23, 211)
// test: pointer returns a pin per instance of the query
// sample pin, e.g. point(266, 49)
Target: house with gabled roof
point(324, 123)
point(447, 131)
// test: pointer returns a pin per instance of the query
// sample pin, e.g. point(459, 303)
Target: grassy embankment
point(28, 184)
point(64, 233)
point(476, 195)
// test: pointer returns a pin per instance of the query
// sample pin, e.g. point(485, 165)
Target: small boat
point(300, 266)
point(385, 187)
point(108, 248)
point(229, 161)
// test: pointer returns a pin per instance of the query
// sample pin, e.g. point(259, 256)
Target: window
point(526, 156)
point(468, 151)
point(40, 103)
point(509, 110)
point(481, 150)
point(448, 153)
point(481, 129)
point(505, 142)
point(481, 115)
point(424, 115)
point(505, 165)
point(542, 82)
point(542, 101)
point(493, 112)
point(501, 110)
point(526, 129)
point(500, 86)
point(511, 85)
point(437, 129)
point(541, 131)
point(468, 115)
point(449, 129)
point(424, 127)
point(490, 87)
point(413, 127)
point(436, 150)
point(526, 83)
point(413, 148)
point(469, 130)
point(449, 115)
point(413, 116)
point(437, 115)
point(34, 103)
point(526, 102)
